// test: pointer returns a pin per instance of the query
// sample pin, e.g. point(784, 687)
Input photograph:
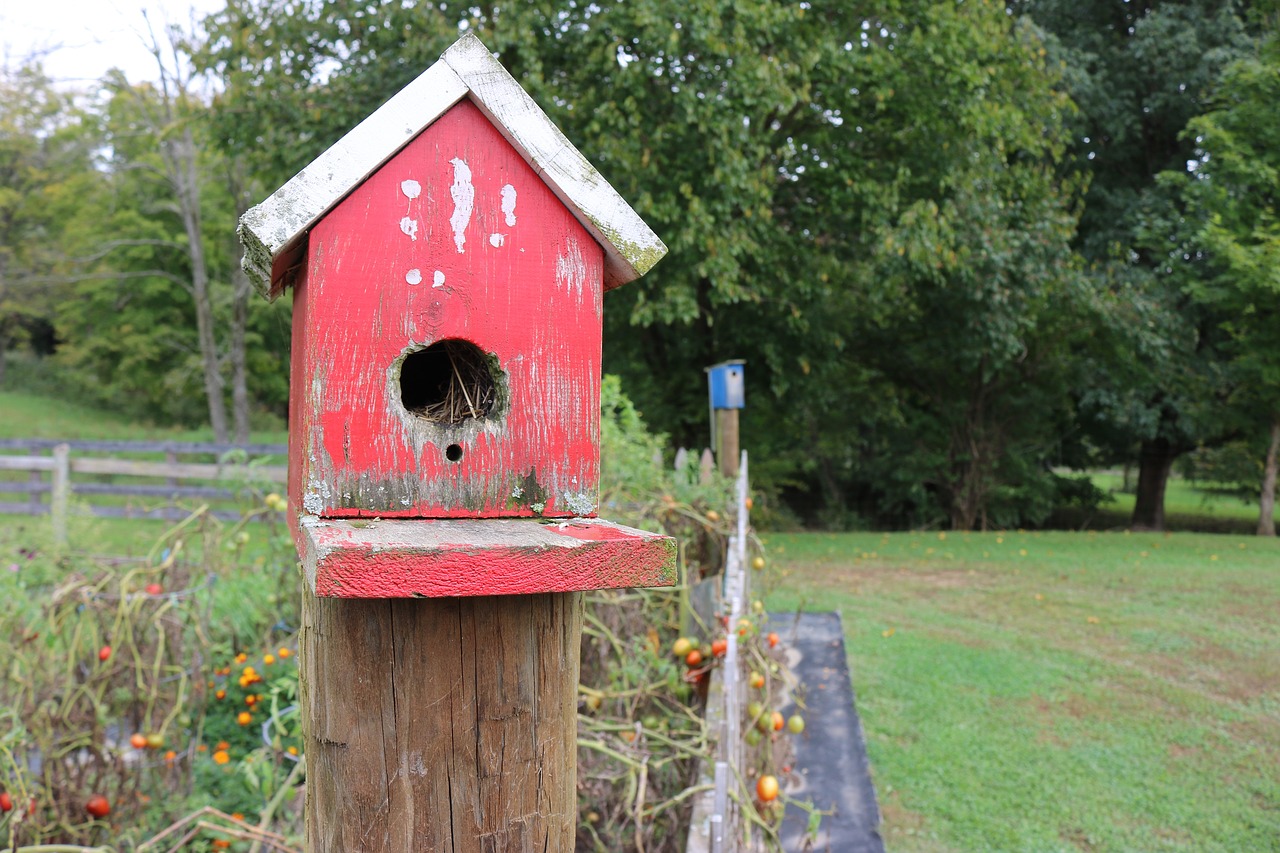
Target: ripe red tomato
point(154, 589)
point(98, 806)
point(138, 740)
point(719, 647)
point(773, 639)
point(767, 788)
point(104, 653)
point(693, 658)
point(6, 802)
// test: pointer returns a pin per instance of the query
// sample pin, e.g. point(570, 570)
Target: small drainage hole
point(453, 453)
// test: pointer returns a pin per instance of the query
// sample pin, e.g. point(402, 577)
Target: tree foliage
point(1139, 71)
point(937, 232)
point(1234, 194)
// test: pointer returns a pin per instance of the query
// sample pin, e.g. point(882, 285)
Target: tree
point(45, 167)
point(1139, 71)
point(786, 153)
point(1235, 190)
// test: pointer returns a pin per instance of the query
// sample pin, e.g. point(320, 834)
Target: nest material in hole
point(464, 386)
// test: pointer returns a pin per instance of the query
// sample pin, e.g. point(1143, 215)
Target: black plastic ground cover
point(831, 768)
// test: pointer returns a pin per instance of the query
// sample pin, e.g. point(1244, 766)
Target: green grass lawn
point(1188, 504)
point(24, 415)
point(1058, 691)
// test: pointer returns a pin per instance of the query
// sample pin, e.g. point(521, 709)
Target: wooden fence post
point(727, 441)
point(61, 493)
point(441, 724)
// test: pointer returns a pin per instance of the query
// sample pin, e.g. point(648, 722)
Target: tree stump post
point(441, 724)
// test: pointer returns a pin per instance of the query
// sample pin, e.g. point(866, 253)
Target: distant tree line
point(963, 247)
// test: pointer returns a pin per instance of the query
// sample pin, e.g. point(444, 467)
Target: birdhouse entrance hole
point(448, 383)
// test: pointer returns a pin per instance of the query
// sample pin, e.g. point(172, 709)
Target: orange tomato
point(98, 806)
point(693, 658)
point(719, 647)
point(767, 788)
point(138, 740)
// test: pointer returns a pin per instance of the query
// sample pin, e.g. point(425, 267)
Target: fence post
point(441, 723)
point(36, 478)
point(727, 441)
point(706, 464)
point(59, 498)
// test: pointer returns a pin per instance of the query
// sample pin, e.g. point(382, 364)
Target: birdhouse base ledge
point(438, 558)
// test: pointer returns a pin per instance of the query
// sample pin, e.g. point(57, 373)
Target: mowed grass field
point(1057, 691)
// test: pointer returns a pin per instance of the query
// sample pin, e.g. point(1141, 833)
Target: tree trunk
point(242, 291)
point(241, 294)
point(1267, 503)
point(441, 723)
point(1155, 461)
point(182, 152)
point(178, 150)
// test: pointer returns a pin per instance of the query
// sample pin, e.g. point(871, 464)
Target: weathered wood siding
point(455, 237)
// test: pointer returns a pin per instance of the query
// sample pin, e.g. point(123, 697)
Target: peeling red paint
point(402, 558)
point(532, 299)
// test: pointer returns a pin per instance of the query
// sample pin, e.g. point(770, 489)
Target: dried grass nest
point(448, 382)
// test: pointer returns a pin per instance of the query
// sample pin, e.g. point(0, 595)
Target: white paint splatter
point(413, 276)
point(464, 198)
point(509, 204)
point(438, 279)
point(411, 188)
point(496, 240)
point(409, 226)
point(571, 269)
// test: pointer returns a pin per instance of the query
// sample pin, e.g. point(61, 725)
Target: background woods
point(964, 248)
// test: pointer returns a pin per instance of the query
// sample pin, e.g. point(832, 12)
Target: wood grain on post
point(441, 724)
point(727, 441)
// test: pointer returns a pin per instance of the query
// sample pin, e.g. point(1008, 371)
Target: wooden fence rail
point(63, 471)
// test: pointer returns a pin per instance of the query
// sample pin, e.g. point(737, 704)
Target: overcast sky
point(80, 40)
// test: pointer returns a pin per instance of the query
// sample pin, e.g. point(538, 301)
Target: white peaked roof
point(274, 233)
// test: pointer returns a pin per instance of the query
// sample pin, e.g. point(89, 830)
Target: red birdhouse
point(448, 259)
